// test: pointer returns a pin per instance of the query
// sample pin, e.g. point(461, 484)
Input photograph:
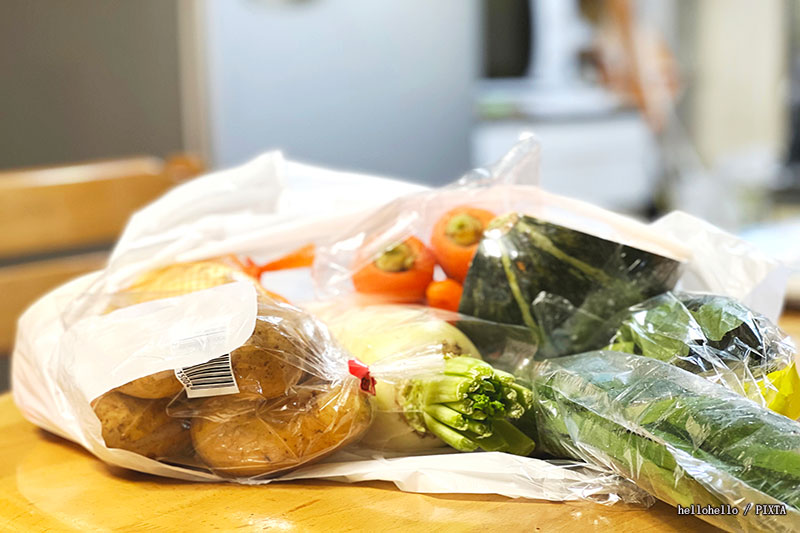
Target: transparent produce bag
point(107, 360)
point(433, 387)
point(474, 232)
point(173, 360)
point(684, 439)
point(717, 338)
point(280, 399)
point(524, 265)
point(438, 391)
point(287, 394)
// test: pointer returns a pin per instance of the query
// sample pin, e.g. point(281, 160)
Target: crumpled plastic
point(271, 392)
point(684, 439)
point(62, 337)
point(719, 339)
point(484, 473)
point(724, 264)
point(236, 213)
point(506, 188)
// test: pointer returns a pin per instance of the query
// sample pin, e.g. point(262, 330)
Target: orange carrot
point(302, 257)
point(251, 269)
point(399, 274)
point(455, 239)
point(247, 266)
point(444, 294)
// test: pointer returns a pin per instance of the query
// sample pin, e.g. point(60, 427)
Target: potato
point(142, 426)
point(244, 435)
point(268, 363)
point(159, 385)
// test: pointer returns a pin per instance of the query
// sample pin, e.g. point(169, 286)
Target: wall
point(86, 79)
point(738, 96)
point(381, 86)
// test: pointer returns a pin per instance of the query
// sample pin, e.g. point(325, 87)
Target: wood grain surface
point(61, 208)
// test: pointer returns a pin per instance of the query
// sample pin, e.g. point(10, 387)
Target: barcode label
point(212, 378)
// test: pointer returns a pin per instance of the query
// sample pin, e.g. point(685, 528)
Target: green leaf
point(660, 333)
point(719, 316)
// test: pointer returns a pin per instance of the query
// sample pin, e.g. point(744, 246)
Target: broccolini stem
point(450, 436)
point(447, 416)
point(444, 389)
point(524, 395)
point(479, 428)
point(506, 438)
point(504, 377)
point(462, 406)
point(468, 367)
point(514, 410)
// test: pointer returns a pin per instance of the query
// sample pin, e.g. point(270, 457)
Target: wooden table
point(47, 483)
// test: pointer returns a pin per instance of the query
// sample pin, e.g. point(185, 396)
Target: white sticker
point(212, 378)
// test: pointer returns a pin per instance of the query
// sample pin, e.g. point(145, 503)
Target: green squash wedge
point(562, 284)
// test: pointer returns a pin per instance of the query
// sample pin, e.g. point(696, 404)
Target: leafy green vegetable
point(561, 284)
point(699, 332)
point(677, 435)
point(661, 333)
point(719, 316)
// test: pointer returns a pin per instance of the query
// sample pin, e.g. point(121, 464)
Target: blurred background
point(642, 106)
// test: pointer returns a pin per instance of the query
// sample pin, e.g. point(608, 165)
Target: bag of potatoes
point(265, 389)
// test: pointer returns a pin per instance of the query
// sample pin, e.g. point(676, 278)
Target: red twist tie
point(361, 371)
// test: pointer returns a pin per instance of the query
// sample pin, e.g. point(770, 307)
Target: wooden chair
point(59, 222)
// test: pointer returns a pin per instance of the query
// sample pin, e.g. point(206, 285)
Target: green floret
point(468, 406)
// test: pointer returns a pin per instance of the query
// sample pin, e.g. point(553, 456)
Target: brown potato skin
point(246, 436)
point(268, 363)
point(159, 385)
point(275, 423)
point(142, 426)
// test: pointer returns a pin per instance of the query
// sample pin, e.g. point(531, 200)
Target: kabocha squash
point(559, 282)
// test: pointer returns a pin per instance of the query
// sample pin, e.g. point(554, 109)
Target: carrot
point(302, 257)
point(247, 266)
point(252, 269)
point(400, 273)
point(444, 294)
point(455, 239)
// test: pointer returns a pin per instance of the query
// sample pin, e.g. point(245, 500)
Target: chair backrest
point(58, 222)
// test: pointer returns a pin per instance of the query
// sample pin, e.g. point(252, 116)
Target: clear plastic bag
point(469, 229)
point(95, 360)
point(684, 439)
point(433, 385)
point(278, 400)
point(418, 356)
point(717, 338)
point(87, 352)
